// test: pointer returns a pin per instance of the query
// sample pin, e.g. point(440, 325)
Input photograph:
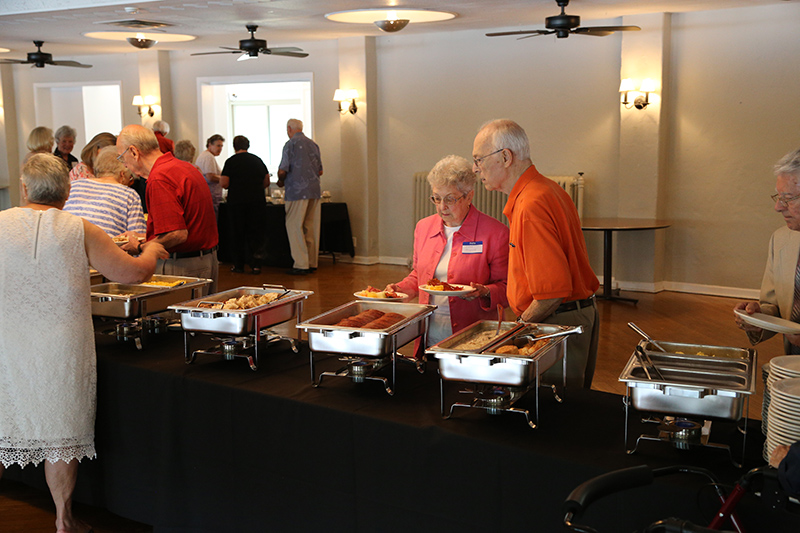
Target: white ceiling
point(281, 22)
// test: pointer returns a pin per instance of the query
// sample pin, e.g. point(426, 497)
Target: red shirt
point(178, 198)
point(547, 253)
point(164, 144)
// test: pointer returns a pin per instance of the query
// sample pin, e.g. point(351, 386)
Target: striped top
point(112, 207)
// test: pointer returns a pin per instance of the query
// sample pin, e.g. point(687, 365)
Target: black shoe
point(256, 270)
point(237, 270)
point(298, 271)
point(312, 269)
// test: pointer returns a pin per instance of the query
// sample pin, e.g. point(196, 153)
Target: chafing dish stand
point(497, 380)
point(692, 390)
point(247, 327)
point(366, 351)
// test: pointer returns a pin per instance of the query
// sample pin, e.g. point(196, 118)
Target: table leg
point(608, 251)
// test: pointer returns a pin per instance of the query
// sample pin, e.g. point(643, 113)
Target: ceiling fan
point(562, 25)
point(39, 59)
point(250, 48)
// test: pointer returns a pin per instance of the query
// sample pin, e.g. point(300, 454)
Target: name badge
point(473, 247)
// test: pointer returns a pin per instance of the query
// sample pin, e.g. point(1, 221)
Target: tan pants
point(581, 349)
point(302, 227)
point(196, 267)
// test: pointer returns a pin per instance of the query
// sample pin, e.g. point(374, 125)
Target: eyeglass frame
point(449, 203)
point(120, 156)
point(784, 201)
point(478, 161)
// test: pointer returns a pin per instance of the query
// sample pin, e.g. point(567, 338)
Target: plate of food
point(371, 293)
point(442, 288)
point(769, 322)
point(123, 239)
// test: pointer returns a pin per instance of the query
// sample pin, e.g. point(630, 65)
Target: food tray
point(693, 385)
point(95, 277)
point(121, 300)
point(240, 321)
point(324, 336)
point(451, 343)
point(504, 369)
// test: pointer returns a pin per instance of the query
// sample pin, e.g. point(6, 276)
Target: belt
point(574, 304)
point(198, 253)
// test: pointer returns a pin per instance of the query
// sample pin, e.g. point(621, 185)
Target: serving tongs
point(647, 363)
point(284, 293)
point(568, 331)
point(645, 336)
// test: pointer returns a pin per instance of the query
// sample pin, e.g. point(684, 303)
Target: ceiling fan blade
point(285, 49)
point(520, 32)
point(604, 30)
point(210, 53)
point(13, 61)
point(287, 53)
point(231, 48)
point(69, 64)
point(542, 32)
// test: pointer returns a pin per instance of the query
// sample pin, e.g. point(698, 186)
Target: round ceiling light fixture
point(140, 39)
point(389, 20)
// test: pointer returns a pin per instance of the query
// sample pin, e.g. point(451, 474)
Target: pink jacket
point(489, 267)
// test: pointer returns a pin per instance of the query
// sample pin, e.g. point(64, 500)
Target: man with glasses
point(549, 276)
point(780, 288)
point(181, 213)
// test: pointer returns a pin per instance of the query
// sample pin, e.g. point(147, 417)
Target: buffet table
point(214, 446)
point(335, 234)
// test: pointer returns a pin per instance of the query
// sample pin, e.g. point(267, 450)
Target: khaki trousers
point(195, 267)
point(302, 227)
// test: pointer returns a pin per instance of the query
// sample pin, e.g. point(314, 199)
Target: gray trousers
point(581, 349)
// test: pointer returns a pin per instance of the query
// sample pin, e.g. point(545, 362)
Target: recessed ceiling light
point(154, 36)
point(4, 50)
point(373, 16)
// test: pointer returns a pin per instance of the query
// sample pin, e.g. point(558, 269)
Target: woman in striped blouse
point(105, 199)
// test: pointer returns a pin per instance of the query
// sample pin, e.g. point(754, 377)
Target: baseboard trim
point(692, 288)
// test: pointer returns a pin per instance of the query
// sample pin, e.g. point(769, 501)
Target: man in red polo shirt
point(180, 209)
point(549, 276)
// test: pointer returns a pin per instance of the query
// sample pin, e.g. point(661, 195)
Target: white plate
point(769, 322)
point(400, 296)
point(465, 289)
point(787, 388)
point(786, 366)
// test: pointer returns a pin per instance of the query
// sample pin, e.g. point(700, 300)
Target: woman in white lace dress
point(47, 354)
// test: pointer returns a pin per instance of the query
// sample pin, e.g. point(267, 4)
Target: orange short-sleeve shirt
point(547, 252)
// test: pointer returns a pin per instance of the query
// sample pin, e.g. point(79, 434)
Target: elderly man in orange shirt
point(549, 276)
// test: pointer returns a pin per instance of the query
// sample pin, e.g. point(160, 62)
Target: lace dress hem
point(25, 456)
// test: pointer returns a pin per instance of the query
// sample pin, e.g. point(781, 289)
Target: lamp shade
point(138, 100)
point(343, 95)
point(648, 85)
point(626, 85)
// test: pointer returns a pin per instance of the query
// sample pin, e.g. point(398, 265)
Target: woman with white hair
point(461, 245)
point(105, 198)
point(48, 374)
point(65, 142)
point(161, 129)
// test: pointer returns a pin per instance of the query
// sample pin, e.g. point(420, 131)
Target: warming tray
point(240, 321)
point(121, 300)
point(495, 368)
point(453, 343)
point(325, 336)
point(713, 385)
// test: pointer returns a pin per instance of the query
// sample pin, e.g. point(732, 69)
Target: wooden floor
point(665, 316)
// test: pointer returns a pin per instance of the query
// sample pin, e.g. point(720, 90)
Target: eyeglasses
point(479, 160)
point(447, 200)
point(119, 157)
point(784, 200)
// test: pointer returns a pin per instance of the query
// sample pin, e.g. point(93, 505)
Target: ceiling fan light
point(391, 26)
point(141, 42)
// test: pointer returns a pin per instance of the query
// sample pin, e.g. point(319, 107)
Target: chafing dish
point(500, 379)
point(120, 300)
point(95, 277)
point(206, 315)
point(359, 343)
point(135, 304)
point(691, 380)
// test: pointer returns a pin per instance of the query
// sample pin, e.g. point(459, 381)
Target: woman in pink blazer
point(458, 244)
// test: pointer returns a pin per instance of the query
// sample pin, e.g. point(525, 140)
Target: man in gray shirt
point(299, 172)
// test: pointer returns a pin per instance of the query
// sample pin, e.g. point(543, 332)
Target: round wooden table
point(608, 226)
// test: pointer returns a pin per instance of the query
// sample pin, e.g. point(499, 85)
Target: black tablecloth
point(335, 234)
point(214, 446)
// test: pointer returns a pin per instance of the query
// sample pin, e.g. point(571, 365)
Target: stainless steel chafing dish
point(360, 343)
point(688, 380)
point(95, 277)
point(120, 300)
point(206, 315)
point(500, 378)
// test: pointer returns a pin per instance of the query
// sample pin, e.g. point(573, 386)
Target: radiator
point(489, 202)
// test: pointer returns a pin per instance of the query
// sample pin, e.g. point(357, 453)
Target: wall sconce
point(627, 85)
point(343, 95)
point(147, 101)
